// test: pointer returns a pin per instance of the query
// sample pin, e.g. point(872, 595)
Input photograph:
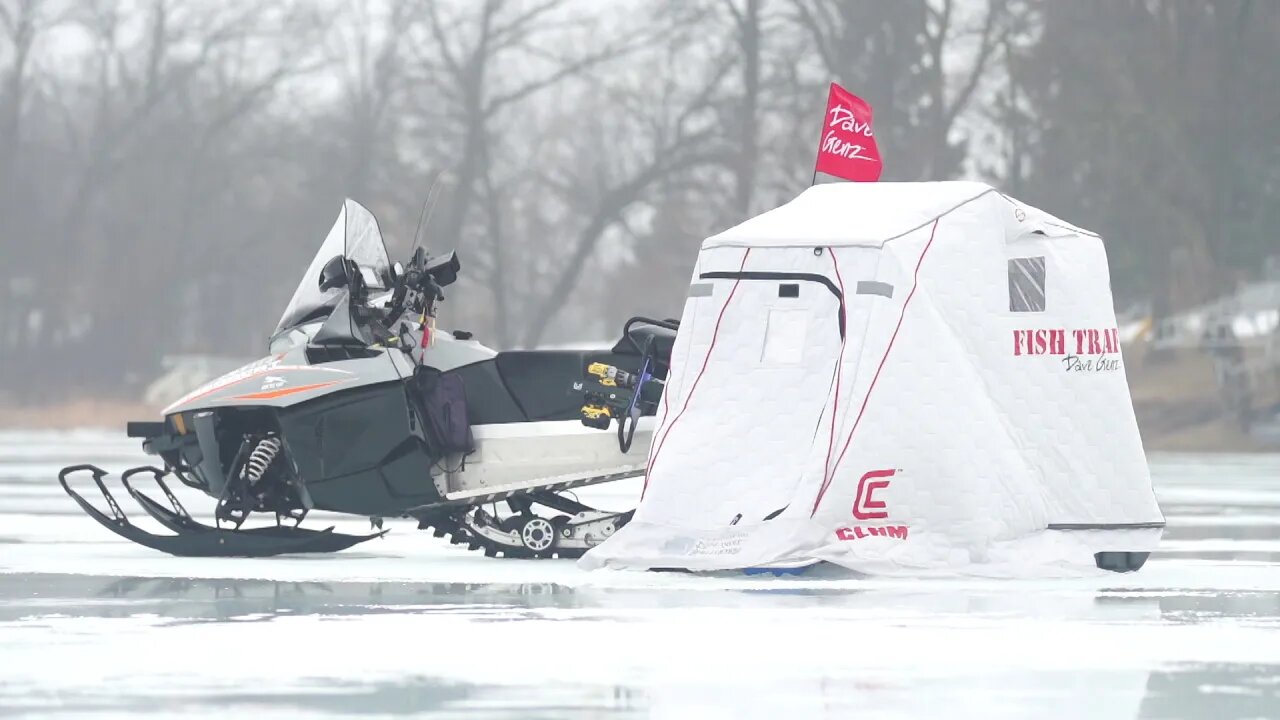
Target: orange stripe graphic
point(272, 394)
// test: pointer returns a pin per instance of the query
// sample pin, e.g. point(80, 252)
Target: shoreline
point(88, 414)
point(1214, 435)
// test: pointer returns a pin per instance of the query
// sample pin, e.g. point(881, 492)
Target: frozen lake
point(91, 625)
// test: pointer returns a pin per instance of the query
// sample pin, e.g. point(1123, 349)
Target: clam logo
point(867, 507)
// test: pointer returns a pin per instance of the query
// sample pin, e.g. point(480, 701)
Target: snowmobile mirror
point(334, 274)
point(444, 268)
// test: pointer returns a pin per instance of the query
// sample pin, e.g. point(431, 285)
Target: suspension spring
point(261, 458)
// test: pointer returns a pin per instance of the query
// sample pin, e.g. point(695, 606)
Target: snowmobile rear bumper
point(194, 539)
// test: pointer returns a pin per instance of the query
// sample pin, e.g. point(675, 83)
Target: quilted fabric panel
point(955, 474)
point(844, 214)
point(741, 412)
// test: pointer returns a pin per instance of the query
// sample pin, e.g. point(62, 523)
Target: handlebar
point(421, 285)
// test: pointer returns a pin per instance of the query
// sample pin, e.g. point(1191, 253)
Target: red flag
point(848, 146)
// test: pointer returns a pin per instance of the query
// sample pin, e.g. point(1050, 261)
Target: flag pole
point(818, 155)
point(817, 158)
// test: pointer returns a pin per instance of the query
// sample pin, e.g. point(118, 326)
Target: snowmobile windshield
point(355, 235)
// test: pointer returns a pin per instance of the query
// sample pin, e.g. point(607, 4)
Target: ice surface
point(411, 626)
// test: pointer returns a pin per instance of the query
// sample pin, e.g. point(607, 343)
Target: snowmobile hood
point(285, 379)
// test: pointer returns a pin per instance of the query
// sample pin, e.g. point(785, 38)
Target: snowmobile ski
point(194, 539)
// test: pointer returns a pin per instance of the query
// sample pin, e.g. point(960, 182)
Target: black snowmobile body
point(364, 408)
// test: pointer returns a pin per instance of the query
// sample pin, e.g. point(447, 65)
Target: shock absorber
point(261, 458)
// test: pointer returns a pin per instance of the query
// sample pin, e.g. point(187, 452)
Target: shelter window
point(1026, 284)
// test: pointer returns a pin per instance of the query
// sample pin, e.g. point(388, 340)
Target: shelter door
point(753, 385)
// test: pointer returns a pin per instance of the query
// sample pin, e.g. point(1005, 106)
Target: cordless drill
point(618, 394)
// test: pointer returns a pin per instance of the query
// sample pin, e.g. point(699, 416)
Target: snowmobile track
point(453, 530)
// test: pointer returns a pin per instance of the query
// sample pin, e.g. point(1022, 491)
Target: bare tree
point(897, 56)
point(140, 143)
point(461, 66)
point(167, 166)
point(629, 137)
point(684, 149)
point(747, 27)
point(485, 67)
point(20, 23)
point(1150, 128)
point(371, 58)
point(948, 96)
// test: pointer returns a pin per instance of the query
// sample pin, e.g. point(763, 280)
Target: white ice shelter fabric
point(895, 377)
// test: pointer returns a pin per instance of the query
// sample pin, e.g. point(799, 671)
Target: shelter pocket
point(784, 337)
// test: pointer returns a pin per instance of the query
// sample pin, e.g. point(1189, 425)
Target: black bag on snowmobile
point(443, 399)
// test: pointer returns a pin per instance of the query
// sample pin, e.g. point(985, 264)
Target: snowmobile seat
point(541, 381)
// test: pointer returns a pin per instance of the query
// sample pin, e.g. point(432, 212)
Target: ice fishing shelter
point(895, 377)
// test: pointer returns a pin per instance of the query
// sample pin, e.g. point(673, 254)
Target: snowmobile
point(363, 407)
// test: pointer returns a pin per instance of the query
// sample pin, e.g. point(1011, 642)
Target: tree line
point(167, 167)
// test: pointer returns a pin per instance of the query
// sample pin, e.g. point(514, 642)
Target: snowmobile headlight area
point(237, 456)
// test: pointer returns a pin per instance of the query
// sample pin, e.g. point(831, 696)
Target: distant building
point(1249, 317)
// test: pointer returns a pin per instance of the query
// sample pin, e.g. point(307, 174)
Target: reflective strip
point(874, 287)
point(700, 290)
